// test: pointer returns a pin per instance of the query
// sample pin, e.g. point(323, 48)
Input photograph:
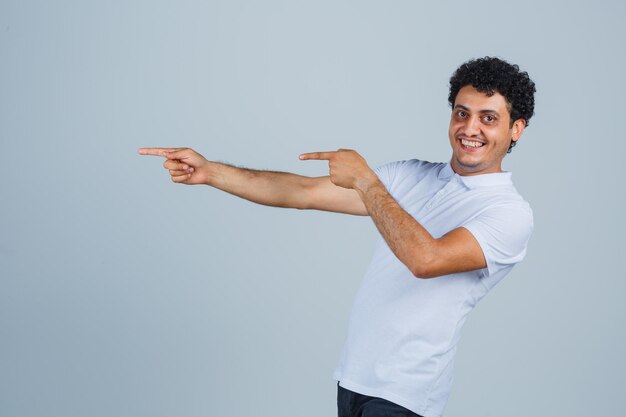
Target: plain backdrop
point(123, 294)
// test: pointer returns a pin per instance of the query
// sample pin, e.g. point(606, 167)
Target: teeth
point(471, 143)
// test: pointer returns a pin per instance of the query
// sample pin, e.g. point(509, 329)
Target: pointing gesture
point(270, 188)
point(185, 165)
point(347, 168)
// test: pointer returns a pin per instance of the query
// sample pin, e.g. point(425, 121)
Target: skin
point(352, 187)
point(478, 117)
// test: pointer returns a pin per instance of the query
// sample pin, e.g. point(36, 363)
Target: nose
point(472, 126)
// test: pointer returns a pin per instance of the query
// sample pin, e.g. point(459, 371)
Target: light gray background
point(122, 294)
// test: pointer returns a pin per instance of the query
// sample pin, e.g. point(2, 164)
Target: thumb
point(179, 154)
point(188, 156)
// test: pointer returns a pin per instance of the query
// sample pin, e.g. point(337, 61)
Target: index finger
point(317, 155)
point(157, 151)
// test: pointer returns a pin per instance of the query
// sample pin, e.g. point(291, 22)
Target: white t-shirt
point(403, 331)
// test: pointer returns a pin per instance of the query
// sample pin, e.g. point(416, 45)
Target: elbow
point(424, 268)
point(423, 273)
point(304, 196)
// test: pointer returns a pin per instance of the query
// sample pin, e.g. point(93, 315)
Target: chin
point(468, 166)
point(464, 161)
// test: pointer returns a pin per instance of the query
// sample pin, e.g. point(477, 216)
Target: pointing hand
point(347, 168)
point(185, 165)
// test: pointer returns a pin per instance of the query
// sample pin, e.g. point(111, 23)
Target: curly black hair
point(490, 75)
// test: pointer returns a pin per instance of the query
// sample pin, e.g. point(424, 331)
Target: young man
point(461, 222)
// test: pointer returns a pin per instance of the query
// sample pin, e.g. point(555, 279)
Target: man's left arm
point(425, 256)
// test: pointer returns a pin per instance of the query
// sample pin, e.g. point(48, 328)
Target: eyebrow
point(460, 106)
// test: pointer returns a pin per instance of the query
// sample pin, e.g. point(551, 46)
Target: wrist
point(210, 173)
point(365, 184)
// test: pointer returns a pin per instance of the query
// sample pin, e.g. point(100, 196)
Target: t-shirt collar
point(473, 181)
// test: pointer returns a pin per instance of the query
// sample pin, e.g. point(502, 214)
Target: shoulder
point(415, 169)
point(494, 192)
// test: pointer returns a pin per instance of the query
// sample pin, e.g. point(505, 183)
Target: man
point(461, 223)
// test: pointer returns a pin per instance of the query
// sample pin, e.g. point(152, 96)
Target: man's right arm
point(278, 189)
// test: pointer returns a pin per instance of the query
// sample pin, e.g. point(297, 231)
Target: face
point(481, 132)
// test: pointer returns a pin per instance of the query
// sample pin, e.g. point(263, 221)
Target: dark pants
point(351, 404)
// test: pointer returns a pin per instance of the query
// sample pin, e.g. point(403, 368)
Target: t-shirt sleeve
point(502, 233)
point(388, 173)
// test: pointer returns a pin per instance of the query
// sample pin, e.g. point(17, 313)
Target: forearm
point(426, 257)
point(278, 189)
point(412, 244)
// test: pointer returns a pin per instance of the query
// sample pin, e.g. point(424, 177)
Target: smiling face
point(481, 132)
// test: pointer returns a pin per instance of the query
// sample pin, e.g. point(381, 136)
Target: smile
point(471, 144)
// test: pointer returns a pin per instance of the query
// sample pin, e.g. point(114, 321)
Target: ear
point(518, 128)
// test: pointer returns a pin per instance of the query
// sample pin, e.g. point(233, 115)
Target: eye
point(461, 114)
point(489, 118)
